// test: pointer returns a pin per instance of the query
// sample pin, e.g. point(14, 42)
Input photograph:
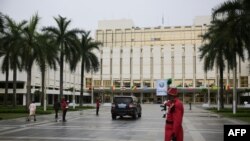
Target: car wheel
point(113, 117)
point(139, 115)
point(135, 115)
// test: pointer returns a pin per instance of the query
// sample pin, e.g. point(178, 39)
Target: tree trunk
point(221, 88)
point(82, 81)
point(234, 84)
point(14, 86)
point(29, 97)
point(6, 84)
point(43, 87)
point(61, 75)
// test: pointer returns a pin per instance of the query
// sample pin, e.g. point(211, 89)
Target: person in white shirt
point(32, 109)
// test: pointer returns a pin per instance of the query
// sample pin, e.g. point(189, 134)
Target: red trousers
point(169, 133)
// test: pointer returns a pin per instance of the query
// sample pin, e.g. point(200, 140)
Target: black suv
point(126, 105)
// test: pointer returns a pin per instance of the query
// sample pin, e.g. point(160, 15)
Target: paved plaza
point(199, 125)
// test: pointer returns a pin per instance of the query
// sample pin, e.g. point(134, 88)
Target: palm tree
point(237, 15)
point(12, 41)
point(89, 61)
point(3, 53)
point(215, 52)
point(67, 42)
point(46, 58)
point(30, 51)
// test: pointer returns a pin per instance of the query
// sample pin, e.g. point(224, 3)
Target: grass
point(4, 116)
point(242, 114)
point(8, 112)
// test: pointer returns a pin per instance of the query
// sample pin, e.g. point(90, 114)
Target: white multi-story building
point(71, 80)
point(139, 56)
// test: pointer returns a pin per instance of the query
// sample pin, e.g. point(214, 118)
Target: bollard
point(190, 106)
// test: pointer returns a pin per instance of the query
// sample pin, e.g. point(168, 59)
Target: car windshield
point(123, 100)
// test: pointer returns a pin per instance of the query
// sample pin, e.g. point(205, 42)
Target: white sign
point(161, 87)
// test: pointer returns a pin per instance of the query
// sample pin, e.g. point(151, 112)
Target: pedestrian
point(56, 108)
point(32, 110)
point(64, 107)
point(173, 127)
point(97, 106)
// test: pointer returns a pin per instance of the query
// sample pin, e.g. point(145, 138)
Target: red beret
point(172, 91)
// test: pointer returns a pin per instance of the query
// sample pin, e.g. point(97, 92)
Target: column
point(101, 68)
point(194, 67)
point(141, 72)
point(162, 63)
point(111, 71)
point(151, 65)
point(121, 78)
point(131, 67)
point(194, 74)
point(172, 62)
point(183, 71)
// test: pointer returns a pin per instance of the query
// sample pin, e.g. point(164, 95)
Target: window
point(243, 81)
point(106, 83)
point(97, 83)
point(88, 82)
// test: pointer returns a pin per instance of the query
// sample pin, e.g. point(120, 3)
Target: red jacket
point(64, 104)
point(97, 103)
point(174, 120)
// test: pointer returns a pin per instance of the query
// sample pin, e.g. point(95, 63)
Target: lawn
point(8, 112)
point(242, 114)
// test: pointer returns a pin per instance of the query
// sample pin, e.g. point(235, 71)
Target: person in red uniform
point(173, 127)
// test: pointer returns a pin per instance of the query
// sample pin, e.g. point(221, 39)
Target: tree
point(236, 13)
point(67, 42)
point(30, 51)
point(215, 52)
point(4, 53)
point(46, 58)
point(12, 42)
point(89, 61)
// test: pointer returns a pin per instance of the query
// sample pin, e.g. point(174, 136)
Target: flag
point(133, 88)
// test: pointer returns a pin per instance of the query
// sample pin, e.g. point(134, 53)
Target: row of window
point(177, 83)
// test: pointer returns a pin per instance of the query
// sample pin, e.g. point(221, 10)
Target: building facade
point(134, 56)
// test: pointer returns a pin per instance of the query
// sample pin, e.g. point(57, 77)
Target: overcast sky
point(85, 14)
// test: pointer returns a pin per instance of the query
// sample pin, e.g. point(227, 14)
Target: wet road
point(198, 124)
point(86, 126)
